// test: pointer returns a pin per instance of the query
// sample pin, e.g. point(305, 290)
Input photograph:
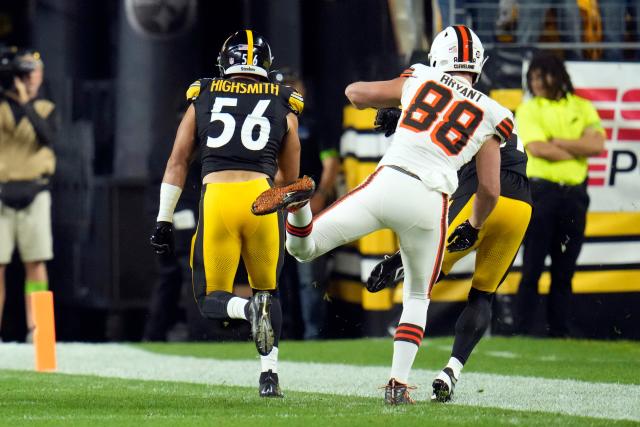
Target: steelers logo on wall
point(160, 19)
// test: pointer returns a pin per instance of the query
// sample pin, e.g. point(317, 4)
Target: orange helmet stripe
point(464, 43)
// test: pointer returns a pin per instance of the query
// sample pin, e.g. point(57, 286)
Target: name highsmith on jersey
point(258, 88)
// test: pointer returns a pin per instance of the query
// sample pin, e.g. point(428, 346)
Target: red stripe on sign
point(595, 168)
point(603, 155)
point(606, 114)
point(630, 114)
point(632, 95)
point(609, 132)
point(596, 182)
point(597, 94)
point(629, 135)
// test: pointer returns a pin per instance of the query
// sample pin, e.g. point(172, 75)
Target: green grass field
point(327, 383)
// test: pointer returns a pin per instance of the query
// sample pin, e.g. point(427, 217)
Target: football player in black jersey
point(246, 129)
point(496, 246)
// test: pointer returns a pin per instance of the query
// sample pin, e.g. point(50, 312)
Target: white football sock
point(270, 361)
point(235, 308)
point(298, 242)
point(301, 217)
point(414, 313)
point(455, 366)
point(404, 354)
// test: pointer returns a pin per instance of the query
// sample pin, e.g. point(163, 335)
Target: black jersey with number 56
point(241, 122)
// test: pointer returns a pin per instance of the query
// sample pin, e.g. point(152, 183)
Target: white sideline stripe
point(598, 400)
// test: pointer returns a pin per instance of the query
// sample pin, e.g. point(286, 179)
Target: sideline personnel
point(559, 130)
point(28, 126)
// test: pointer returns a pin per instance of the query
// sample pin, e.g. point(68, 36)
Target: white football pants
point(386, 199)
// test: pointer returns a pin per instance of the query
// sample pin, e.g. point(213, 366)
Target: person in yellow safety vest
point(559, 131)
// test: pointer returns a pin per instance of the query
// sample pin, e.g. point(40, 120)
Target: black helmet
point(245, 52)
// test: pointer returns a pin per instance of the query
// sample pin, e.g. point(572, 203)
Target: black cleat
point(269, 386)
point(386, 273)
point(290, 196)
point(443, 386)
point(260, 318)
point(396, 393)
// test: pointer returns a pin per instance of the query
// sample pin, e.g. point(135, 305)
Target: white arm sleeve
point(169, 195)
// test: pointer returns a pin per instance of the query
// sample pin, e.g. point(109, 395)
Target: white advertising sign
point(614, 89)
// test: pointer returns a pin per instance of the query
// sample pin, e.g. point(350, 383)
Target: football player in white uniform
point(444, 124)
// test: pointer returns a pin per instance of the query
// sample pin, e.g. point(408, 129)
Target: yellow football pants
point(498, 241)
point(227, 230)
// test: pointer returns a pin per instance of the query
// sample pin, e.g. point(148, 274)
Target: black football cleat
point(269, 386)
point(260, 318)
point(443, 386)
point(396, 393)
point(386, 273)
point(290, 196)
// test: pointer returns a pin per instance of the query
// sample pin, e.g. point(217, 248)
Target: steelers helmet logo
point(161, 19)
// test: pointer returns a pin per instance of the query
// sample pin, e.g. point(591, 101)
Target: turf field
point(508, 381)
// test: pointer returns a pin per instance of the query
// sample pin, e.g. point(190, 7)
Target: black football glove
point(162, 238)
point(387, 120)
point(386, 273)
point(463, 237)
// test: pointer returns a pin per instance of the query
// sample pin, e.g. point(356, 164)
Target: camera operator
point(27, 130)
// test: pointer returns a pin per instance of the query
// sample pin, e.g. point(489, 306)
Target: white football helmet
point(457, 48)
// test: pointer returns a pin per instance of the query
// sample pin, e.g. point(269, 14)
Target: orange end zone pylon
point(44, 336)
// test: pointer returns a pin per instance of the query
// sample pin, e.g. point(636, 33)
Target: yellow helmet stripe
point(249, 47)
